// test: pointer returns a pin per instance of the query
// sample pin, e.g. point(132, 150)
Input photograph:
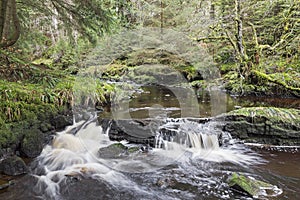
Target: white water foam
point(77, 156)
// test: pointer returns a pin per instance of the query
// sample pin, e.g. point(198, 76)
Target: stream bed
point(70, 167)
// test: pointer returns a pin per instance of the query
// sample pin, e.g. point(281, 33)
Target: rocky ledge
point(265, 125)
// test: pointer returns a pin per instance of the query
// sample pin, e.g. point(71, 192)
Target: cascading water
point(187, 133)
point(184, 149)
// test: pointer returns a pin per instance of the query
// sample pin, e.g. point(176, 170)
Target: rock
point(45, 127)
point(251, 186)
point(266, 125)
point(5, 184)
point(13, 166)
point(117, 150)
point(32, 144)
point(135, 131)
point(143, 131)
point(61, 121)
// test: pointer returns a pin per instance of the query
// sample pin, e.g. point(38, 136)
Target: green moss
point(275, 115)
point(119, 145)
point(248, 185)
point(133, 149)
point(114, 71)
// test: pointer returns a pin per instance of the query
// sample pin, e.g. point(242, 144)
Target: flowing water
point(189, 160)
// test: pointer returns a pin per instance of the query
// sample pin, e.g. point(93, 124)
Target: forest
point(60, 57)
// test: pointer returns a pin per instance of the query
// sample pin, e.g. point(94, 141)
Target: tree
point(9, 23)
point(89, 18)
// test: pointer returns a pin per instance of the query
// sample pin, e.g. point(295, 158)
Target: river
point(70, 168)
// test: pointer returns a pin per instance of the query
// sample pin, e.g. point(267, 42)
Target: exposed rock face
point(274, 126)
point(13, 166)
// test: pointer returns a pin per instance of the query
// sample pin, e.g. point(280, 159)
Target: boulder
point(61, 121)
point(13, 166)
point(117, 150)
point(135, 131)
point(251, 186)
point(32, 144)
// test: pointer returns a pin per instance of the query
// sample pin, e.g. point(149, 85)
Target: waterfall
point(188, 134)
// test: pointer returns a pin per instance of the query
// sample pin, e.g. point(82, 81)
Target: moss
point(133, 149)
point(275, 115)
point(119, 145)
point(114, 71)
point(246, 184)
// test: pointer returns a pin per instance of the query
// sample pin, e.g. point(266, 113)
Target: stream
point(189, 165)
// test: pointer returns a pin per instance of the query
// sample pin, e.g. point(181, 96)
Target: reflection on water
point(161, 101)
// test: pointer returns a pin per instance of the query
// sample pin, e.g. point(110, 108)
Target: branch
point(210, 38)
point(278, 82)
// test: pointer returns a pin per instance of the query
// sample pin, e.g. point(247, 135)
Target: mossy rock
point(251, 186)
point(266, 125)
point(273, 114)
point(116, 150)
point(133, 149)
point(33, 143)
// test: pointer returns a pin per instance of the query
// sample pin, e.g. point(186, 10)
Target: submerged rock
point(266, 125)
point(13, 166)
point(252, 187)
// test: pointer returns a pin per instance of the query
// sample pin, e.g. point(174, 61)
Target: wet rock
point(143, 131)
point(61, 121)
point(135, 131)
point(166, 182)
point(5, 184)
point(32, 144)
point(13, 166)
point(251, 186)
point(117, 150)
point(266, 125)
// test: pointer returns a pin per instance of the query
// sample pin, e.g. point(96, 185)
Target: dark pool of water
point(163, 101)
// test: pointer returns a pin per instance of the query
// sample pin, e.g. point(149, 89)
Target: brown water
point(163, 101)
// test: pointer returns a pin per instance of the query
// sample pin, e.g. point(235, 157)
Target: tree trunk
point(11, 25)
point(239, 24)
point(3, 7)
point(7, 22)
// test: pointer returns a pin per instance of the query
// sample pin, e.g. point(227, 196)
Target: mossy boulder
point(13, 166)
point(61, 121)
point(251, 186)
point(266, 125)
point(32, 144)
point(117, 150)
